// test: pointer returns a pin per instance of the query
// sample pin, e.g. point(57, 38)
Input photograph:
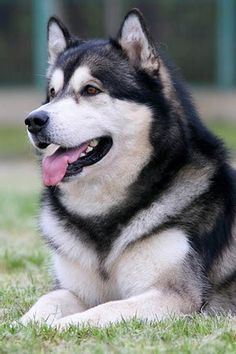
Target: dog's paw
point(26, 319)
point(66, 322)
point(79, 320)
point(37, 318)
point(62, 325)
point(22, 321)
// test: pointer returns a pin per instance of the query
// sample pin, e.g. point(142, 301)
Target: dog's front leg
point(53, 306)
point(152, 305)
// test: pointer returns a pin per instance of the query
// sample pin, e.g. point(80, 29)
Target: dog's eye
point(52, 92)
point(90, 90)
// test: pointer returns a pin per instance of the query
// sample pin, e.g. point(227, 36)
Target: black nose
point(36, 121)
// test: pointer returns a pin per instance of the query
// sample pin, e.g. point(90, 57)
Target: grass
point(194, 335)
point(24, 276)
point(226, 131)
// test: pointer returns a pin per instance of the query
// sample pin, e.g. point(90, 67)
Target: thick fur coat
point(146, 228)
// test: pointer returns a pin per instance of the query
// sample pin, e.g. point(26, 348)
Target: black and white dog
point(139, 204)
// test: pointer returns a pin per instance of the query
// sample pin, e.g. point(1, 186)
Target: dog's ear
point(58, 38)
point(135, 40)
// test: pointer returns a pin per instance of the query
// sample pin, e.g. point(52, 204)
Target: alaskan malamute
point(139, 201)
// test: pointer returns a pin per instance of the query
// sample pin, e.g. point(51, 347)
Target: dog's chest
point(140, 267)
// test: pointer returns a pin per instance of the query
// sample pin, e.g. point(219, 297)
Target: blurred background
point(200, 37)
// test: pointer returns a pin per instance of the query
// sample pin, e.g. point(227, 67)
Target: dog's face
point(96, 115)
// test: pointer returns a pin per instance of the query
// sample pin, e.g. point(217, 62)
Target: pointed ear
point(135, 40)
point(58, 39)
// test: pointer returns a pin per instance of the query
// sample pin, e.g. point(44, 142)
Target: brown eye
point(90, 91)
point(52, 92)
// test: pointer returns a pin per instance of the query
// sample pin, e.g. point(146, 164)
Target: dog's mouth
point(68, 162)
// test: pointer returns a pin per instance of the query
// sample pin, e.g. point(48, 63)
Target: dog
point(139, 202)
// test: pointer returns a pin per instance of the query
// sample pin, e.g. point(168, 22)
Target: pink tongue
point(55, 166)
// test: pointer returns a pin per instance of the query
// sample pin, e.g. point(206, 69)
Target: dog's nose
point(36, 121)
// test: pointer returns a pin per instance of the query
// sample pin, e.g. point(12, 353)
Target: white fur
point(56, 42)
point(153, 305)
point(85, 283)
point(67, 243)
point(104, 185)
point(134, 272)
point(150, 306)
point(81, 77)
point(134, 276)
point(188, 185)
point(52, 306)
point(136, 44)
point(144, 264)
point(57, 80)
point(132, 33)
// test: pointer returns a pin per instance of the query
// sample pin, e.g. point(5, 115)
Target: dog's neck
point(96, 194)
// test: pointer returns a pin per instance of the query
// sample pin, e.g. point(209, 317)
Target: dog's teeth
point(83, 154)
point(93, 142)
point(89, 148)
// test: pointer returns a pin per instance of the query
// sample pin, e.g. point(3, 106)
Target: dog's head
point(100, 99)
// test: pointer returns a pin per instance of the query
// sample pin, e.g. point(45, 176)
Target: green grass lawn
point(24, 276)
